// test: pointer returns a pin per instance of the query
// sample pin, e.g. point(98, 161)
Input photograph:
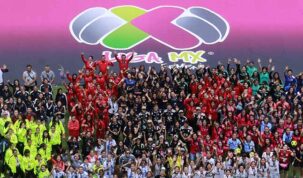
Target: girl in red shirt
point(285, 158)
point(58, 163)
point(87, 124)
point(73, 127)
point(204, 128)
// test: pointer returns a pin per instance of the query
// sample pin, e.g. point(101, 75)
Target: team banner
point(167, 32)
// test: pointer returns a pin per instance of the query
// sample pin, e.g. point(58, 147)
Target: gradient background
point(37, 32)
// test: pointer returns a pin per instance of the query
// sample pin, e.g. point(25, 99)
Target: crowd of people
point(235, 120)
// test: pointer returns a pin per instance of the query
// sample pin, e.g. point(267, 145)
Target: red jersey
point(123, 63)
point(194, 146)
point(103, 64)
point(89, 65)
point(73, 128)
point(284, 156)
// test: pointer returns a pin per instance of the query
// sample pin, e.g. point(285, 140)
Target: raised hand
point(235, 60)
point(229, 60)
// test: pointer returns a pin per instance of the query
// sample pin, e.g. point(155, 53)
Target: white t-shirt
point(1, 76)
point(29, 77)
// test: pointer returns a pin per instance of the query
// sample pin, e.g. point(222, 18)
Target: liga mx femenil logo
point(124, 27)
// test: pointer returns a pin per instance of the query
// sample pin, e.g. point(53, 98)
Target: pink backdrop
point(38, 29)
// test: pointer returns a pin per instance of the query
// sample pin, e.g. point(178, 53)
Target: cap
point(181, 111)
point(150, 139)
point(198, 108)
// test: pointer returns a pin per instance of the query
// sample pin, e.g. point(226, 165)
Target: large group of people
point(235, 120)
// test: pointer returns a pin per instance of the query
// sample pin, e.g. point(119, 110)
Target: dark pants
point(56, 149)
point(19, 173)
point(1, 88)
point(29, 174)
point(20, 147)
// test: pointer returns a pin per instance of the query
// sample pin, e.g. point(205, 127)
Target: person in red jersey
point(103, 64)
point(220, 148)
point(277, 140)
point(87, 124)
point(74, 78)
point(203, 127)
point(89, 64)
point(190, 109)
point(73, 127)
point(216, 131)
point(195, 147)
point(285, 155)
point(101, 80)
point(100, 129)
point(123, 62)
point(88, 77)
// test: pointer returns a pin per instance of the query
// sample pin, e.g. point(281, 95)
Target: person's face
point(266, 129)
point(43, 168)
point(47, 69)
point(177, 169)
point(127, 153)
point(289, 72)
point(133, 167)
point(28, 68)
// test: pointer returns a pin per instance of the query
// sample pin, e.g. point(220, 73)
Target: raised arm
point(259, 64)
point(269, 64)
point(131, 57)
point(4, 68)
point(69, 77)
point(83, 58)
point(116, 57)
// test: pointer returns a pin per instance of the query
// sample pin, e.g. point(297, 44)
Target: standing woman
point(273, 165)
point(252, 170)
point(15, 86)
point(264, 74)
point(3, 69)
point(263, 169)
point(55, 139)
point(241, 172)
point(58, 125)
point(285, 159)
point(45, 138)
